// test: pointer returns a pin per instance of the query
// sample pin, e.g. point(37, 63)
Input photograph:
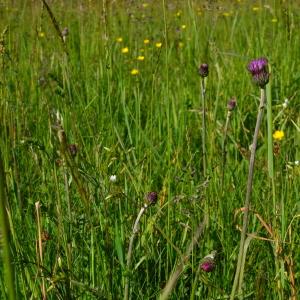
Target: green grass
point(146, 129)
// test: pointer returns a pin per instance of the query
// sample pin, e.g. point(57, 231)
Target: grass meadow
point(101, 103)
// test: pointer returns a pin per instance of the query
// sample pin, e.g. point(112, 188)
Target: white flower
point(113, 178)
point(285, 103)
point(297, 162)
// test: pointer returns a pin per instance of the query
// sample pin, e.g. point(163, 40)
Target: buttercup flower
point(134, 72)
point(158, 45)
point(140, 58)
point(278, 135)
point(119, 40)
point(259, 71)
point(125, 50)
point(203, 70)
point(146, 41)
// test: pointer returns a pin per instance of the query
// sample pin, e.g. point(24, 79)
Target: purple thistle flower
point(259, 71)
point(151, 198)
point(203, 70)
point(207, 265)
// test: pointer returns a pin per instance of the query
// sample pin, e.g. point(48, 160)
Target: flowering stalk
point(203, 72)
point(260, 75)
point(151, 199)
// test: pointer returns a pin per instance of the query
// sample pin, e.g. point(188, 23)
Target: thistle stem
point(203, 92)
point(238, 273)
point(224, 152)
point(130, 248)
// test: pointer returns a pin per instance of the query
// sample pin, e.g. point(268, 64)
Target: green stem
point(4, 223)
point(224, 148)
point(174, 277)
point(248, 194)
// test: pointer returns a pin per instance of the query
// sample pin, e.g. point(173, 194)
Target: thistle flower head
point(208, 263)
point(231, 104)
point(259, 71)
point(151, 198)
point(203, 70)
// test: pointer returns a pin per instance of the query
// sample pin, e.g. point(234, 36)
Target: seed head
point(151, 198)
point(259, 71)
point(203, 70)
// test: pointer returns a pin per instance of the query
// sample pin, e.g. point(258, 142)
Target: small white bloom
point(297, 162)
point(113, 178)
point(285, 103)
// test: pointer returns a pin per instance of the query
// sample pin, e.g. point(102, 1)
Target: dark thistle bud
point(203, 70)
point(151, 198)
point(259, 71)
point(208, 263)
point(73, 149)
point(231, 104)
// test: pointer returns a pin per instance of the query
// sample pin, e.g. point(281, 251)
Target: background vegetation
point(70, 222)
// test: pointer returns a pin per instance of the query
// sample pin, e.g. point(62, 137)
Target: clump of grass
point(8, 264)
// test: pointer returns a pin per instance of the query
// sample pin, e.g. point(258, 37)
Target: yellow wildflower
point(180, 44)
point(255, 8)
point(278, 135)
point(119, 39)
point(183, 26)
point(178, 14)
point(134, 72)
point(274, 20)
point(158, 45)
point(145, 5)
point(41, 34)
point(226, 14)
point(140, 58)
point(146, 41)
point(125, 50)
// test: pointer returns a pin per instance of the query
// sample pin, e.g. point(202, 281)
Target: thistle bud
point(208, 263)
point(231, 104)
point(151, 198)
point(203, 70)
